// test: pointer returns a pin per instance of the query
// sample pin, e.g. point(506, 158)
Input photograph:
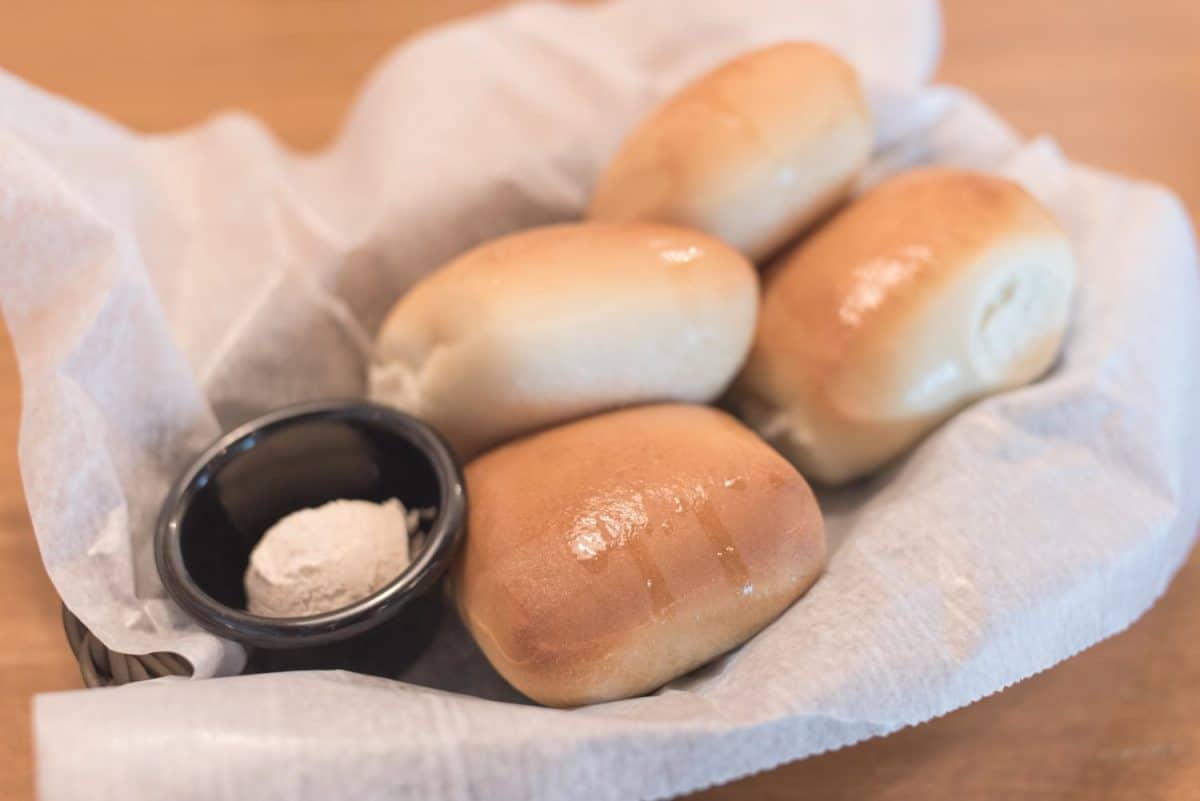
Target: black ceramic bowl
point(291, 459)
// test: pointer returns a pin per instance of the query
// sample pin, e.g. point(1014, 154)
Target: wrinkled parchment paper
point(160, 288)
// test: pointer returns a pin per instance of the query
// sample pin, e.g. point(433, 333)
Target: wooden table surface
point(1116, 82)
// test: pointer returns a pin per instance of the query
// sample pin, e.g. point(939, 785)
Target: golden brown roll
point(607, 556)
point(554, 323)
point(936, 288)
point(752, 152)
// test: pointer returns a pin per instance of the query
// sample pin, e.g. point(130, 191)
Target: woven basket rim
point(100, 666)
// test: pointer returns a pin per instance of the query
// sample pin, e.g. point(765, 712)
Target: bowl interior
point(282, 467)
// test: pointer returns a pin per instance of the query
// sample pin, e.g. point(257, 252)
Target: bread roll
point(610, 555)
point(752, 152)
point(555, 323)
point(936, 288)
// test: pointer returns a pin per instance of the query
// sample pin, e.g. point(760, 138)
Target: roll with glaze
point(610, 555)
point(938, 287)
point(752, 152)
point(554, 323)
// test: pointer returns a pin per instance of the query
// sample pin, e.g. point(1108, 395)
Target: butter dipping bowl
point(295, 458)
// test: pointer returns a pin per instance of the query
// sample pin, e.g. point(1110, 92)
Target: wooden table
point(1116, 82)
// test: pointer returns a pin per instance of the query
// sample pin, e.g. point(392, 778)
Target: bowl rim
point(444, 535)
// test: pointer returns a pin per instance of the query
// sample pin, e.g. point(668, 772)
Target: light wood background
point(1117, 83)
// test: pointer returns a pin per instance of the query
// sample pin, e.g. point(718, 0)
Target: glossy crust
point(554, 323)
point(608, 556)
point(752, 152)
point(936, 288)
